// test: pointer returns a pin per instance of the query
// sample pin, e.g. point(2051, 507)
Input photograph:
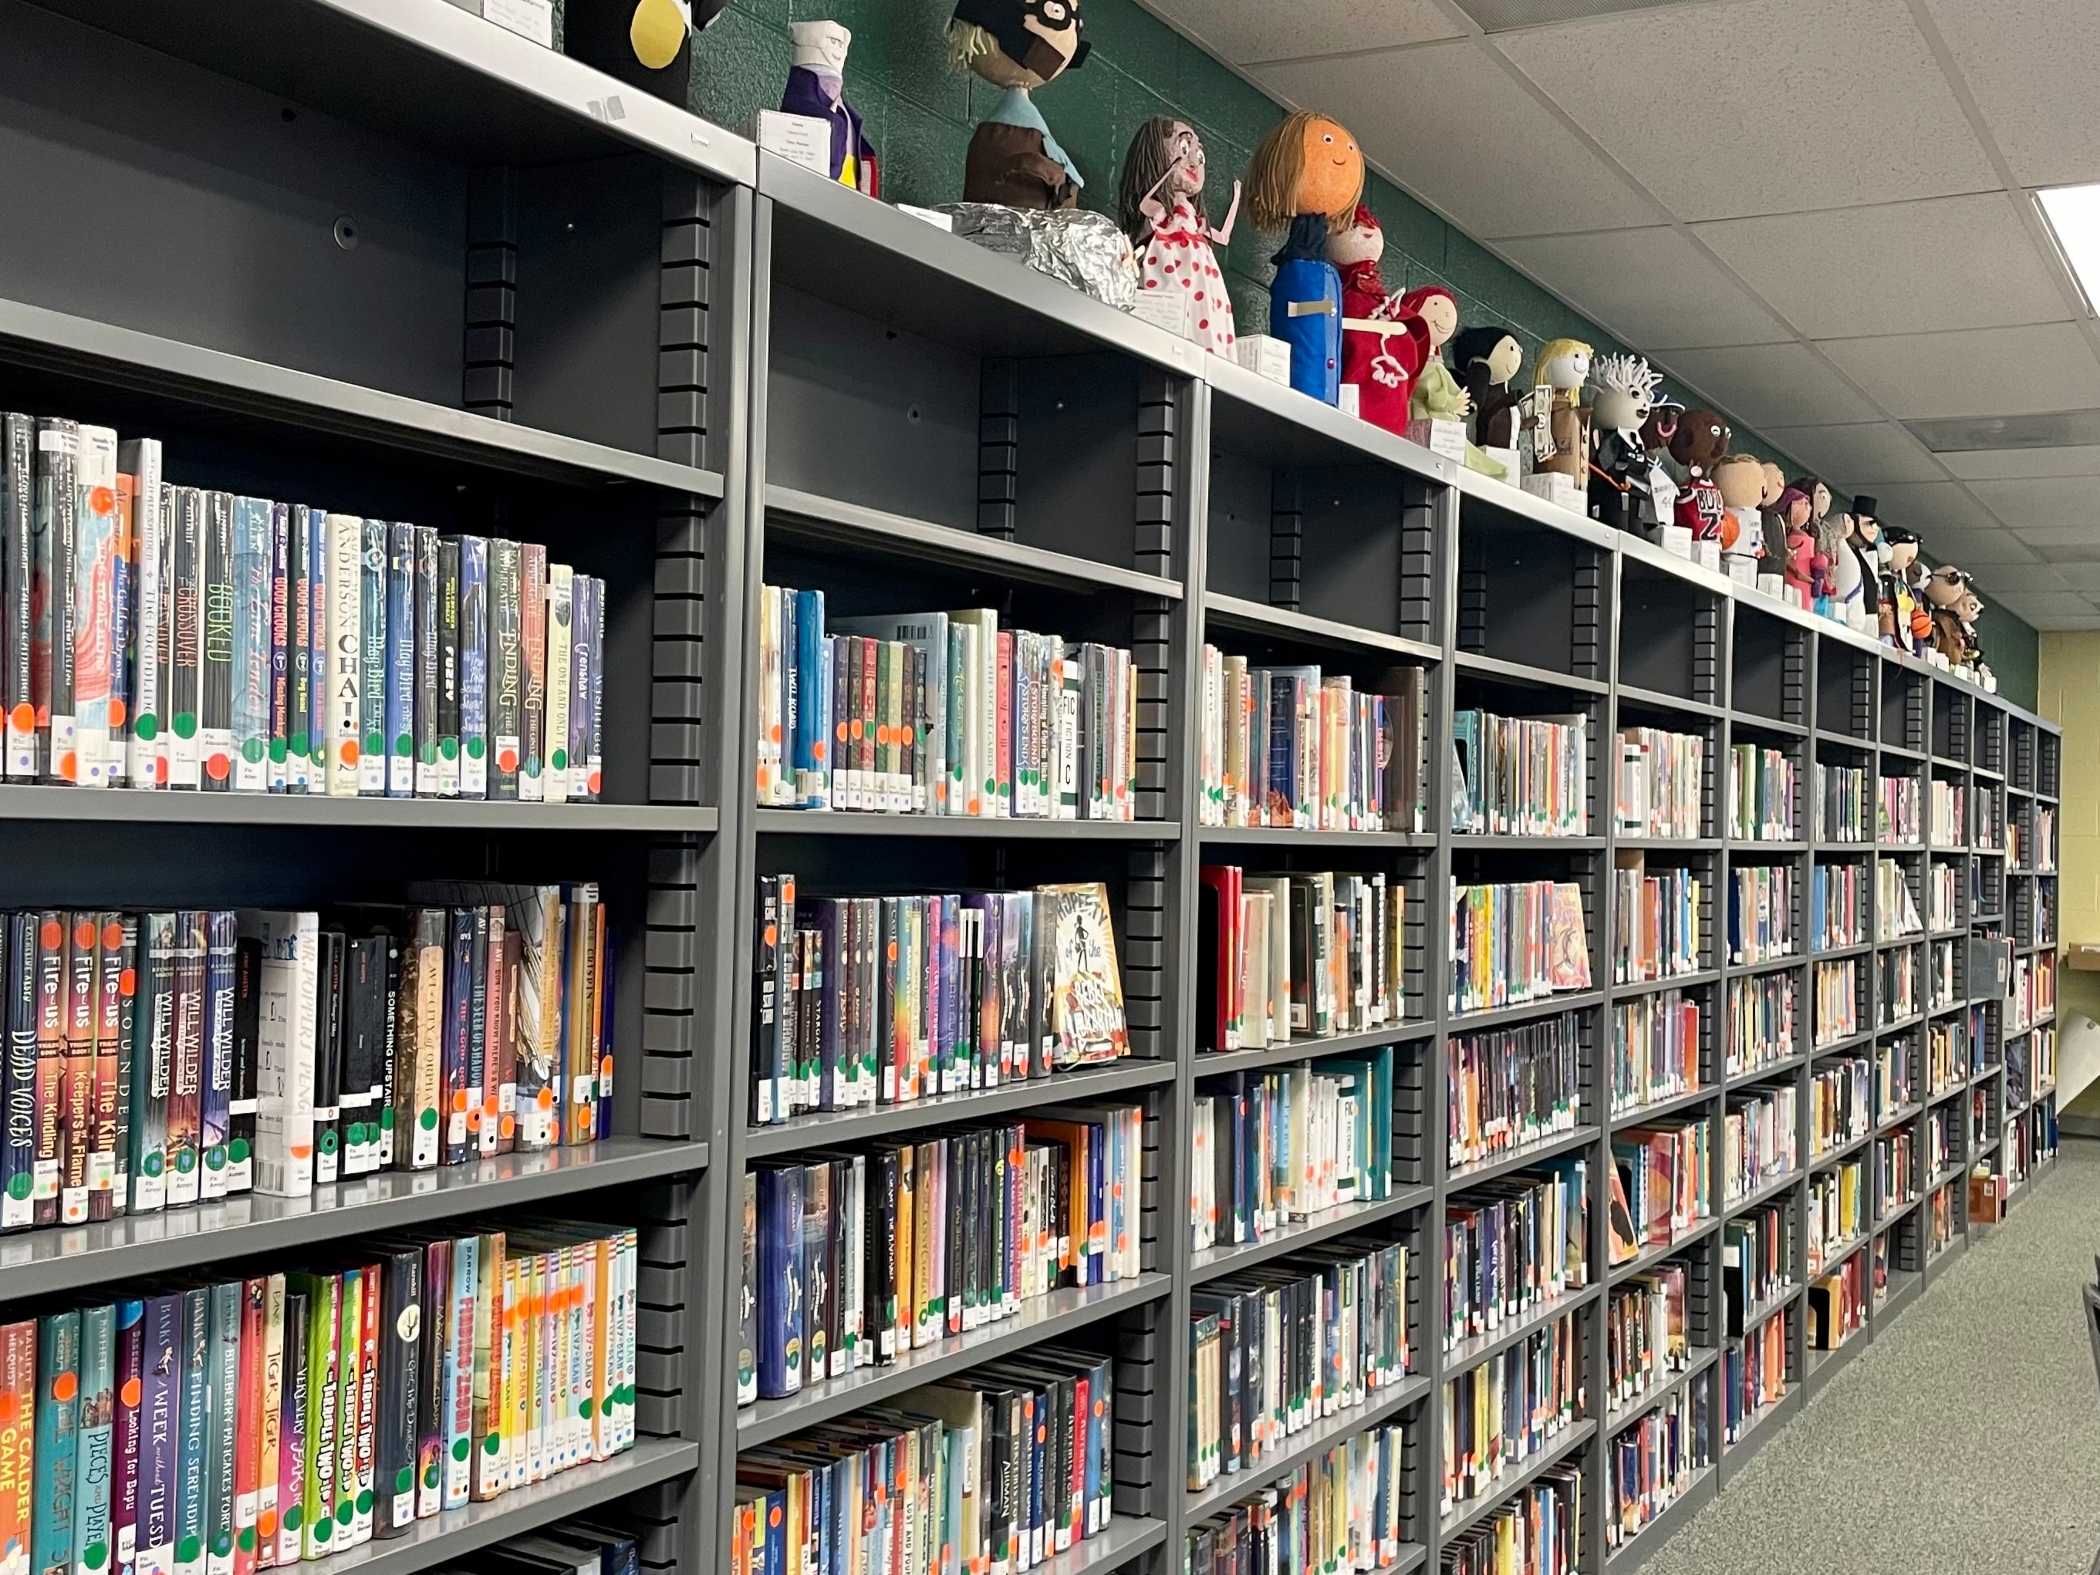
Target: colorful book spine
point(448, 667)
point(129, 1027)
point(324, 1295)
point(432, 1410)
point(146, 748)
point(193, 1434)
point(345, 661)
point(127, 1431)
point(222, 1429)
point(269, 1423)
point(215, 714)
point(532, 648)
point(560, 613)
point(401, 661)
point(372, 659)
point(56, 1450)
point(153, 1064)
point(426, 699)
point(252, 571)
point(95, 545)
point(245, 1105)
point(349, 1397)
point(50, 1066)
point(248, 1443)
point(321, 590)
point(487, 1416)
point(587, 596)
point(215, 1123)
point(18, 1381)
point(473, 667)
point(186, 1088)
point(18, 1111)
point(94, 1440)
point(457, 1033)
point(17, 576)
point(507, 669)
point(51, 655)
point(84, 937)
point(284, 1126)
point(291, 1432)
point(459, 1372)
point(108, 1037)
point(160, 1407)
point(280, 614)
point(298, 649)
point(401, 1358)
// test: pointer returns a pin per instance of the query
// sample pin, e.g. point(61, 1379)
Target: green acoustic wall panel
point(920, 116)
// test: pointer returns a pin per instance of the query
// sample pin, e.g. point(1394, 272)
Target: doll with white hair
point(1622, 392)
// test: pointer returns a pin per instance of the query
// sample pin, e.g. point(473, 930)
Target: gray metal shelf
point(851, 823)
point(1551, 1453)
point(1210, 1263)
point(161, 807)
point(1323, 841)
point(1470, 1352)
point(1306, 1444)
point(1214, 1063)
point(1251, 617)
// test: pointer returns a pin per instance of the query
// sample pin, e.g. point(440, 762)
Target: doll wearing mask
point(1160, 206)
point(1486, 362)
point(1018, 46)
point(1305, 181)
point(1382, 348)
point(1619, 470)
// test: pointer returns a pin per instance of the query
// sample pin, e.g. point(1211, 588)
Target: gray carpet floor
point(1964, 1441)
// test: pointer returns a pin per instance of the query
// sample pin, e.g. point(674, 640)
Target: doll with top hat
point(1160, 206)
point(1305, 181)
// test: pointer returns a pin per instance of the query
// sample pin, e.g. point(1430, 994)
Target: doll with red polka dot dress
point(1160, 206)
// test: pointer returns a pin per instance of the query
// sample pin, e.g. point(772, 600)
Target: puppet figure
point(1945, 590)
point(1906, 622)
point(1665, 475)
point(816, 86)
point(1700, 441)
point(644, 43)
point(1553, 415)
point(1160, 206)
point(1740, 479)
point(1798, 567)
point(1486, 360)
point(1845, 578)
point(1382, 349)
point(1969, 609)
point(1771, 524)
point(1305, 181)
point(1432, 312)
point(1864, 539)
point(1619, 470)
point(1017, 46)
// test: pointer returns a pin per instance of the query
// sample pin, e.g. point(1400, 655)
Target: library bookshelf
point(505, 292)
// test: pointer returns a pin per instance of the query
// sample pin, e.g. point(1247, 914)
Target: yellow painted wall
point(2069, 694)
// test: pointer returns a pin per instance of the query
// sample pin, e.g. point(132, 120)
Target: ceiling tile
point(2059, 543)
point(1974, 548)
point(1257, 30)
point(2026, 62)
point(1858, 454)
point(2021, 578)
point(1651, 287)
point(1837, 103)
point(1909, 267)
point(2044, 609)
point(2082, 577)
point(2043, 501)
point(1974, 372)
point(1518, 172)
point(1925, 506)
point(1769, 385)
point(1995, 464)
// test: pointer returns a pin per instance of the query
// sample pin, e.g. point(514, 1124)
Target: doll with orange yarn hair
point(1304, 181)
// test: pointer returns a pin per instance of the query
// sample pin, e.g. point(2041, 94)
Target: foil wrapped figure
point(1084, 249)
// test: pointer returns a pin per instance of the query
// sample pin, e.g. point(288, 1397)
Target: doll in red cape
point(1382, 347)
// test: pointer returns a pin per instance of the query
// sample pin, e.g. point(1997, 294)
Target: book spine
point(50, 1093)
point(366, 1439)
point(507, 669)
point(192, 1434)
point(322, 588)
point(84, 941)
point(560, 611)
point(95, 546)
point(108, 1040)
point(222, 1435)
point(127, 1438)
point(268, 1424)
point(473, 667)
point(499, 1070)
point(216, 1123)
point(160, 1409)
point(448, 667)
point(420, 1080)
point(298, 643)
point(400, 661)
point(432, 1411)
point(428, 618)
point(94, 1439)
point(250, 577)
point(278, 614)
point(372, 659)
point(486, 1414)
point(56, 1450)
point(532, 650)
point(285, 1064)
point(245, 1102)
point(585, 655)
point(400, 1360)
point(324, 1311)
point(186, 1087)
point(152, 1063)
point(246, 1409)
point(389, 1052)
point(215, 742)
point(480, 1139)
point(17, 576)
point(458, 1031)
point(345, 663)
point(112, 501)
point(58, 447)
point(291, 1429)
point(18, 1073)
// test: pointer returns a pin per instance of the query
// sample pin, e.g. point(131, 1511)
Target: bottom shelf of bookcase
point(1637, 1549)
point(1825, 1365)
point(1756, 1433)
point(446, 1538)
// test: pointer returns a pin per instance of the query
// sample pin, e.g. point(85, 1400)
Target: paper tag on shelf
point(800, 139)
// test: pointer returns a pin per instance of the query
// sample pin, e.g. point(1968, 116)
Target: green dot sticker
point(328, 1142)
point(585, 1408)
point(364, 1502)
point(147, 727)
point(215, 1158)
point(189, 1549)
point(386, 1119)
point(278, 752)
point(459, 1450)
point(449, 748)
point(354, 1134)
point(322, 1527)
point(430, 1477)
point(476, 748)
point(96, 1555)
point(404, 746)
point(375, 744)
point(252, 751)
point(428, 1120)
point(186, 1161)
point(492, 1446)
point(299, 745)
point(247, 1539)
point(404, 1479)
point(344, 1511)
point(294, 1517)
point(237, 1151)
point(153, 1165)
point(560, 760)
point(18, 1187)
point(428, 754)
point(186, 727)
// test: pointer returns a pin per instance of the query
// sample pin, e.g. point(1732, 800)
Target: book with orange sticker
point(18, 1411)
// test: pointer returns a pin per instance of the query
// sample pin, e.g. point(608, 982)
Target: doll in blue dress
point(1305, 181)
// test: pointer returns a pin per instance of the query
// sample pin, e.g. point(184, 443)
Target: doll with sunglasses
point(1018, 46)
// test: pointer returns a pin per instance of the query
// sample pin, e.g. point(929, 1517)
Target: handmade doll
point(1845, 578)
point(1553, 413)
point(1740, 480)
point(1700, 441)
point(1382, 349)
point(1906, 622)
point(644, 43)
point(1432, 312)
point(1945, 589)
point(1160, 206)
point(1968, 610)
point(1619, 470)
point(1305, 181)
point(1771, 525)
point(1485, 360)
point(1865, 541)
point(1018, 46)
point(1665, 476)
point(816, 86)
point(1799, 566)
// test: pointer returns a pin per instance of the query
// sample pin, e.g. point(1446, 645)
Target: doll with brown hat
point(1305, 181)
point(1018, 46)
point(1947, 591)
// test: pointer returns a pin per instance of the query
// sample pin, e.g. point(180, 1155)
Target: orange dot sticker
point(22, 718)
point(68, 767)
point(506, 760)
point(773, 734)
point(49, 934)
point(546, 1099)
point(128, 982)
point(117, 712)
point(474, 1119)
point(64, 1387)
point(131, 1391)
point(102, 500)
point(508, 1126)
point(84, 934)
point(218, 765)
point(112, 936)
point(459, 1100)
point(348, 753)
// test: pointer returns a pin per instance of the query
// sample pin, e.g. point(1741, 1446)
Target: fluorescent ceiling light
point(2071, 214)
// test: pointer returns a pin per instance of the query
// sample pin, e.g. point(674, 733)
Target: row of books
point(568, 1547)
point(1943, 895)
point(1646, 1326)
point(1840, 1103)
point(1836, 915)
point(1949, 809)
point(2030, 991)
point(1274, 1350)
point(1535, 1531)
point(163, 636)
point(1654, 1049)
point(1297, 956)
point(1761, 912)
point(1841, 803)
point(1941, 1219)
point(292, 1415)
point(1946, 1058)
point(857, 1259)
point(1512, 1087)
point(1897, 1000)
point(1899, 811)
point(1661, 783)
point(1515, 943)
point(1761, 1022)
point(1837, 1212)
point(1523, 776)
point(1893, 1088)
point(1762, 786)
point(1653, 1463)
point(1758, 1140)
point(1298, 748)
point(1656, 921)
point(1988, 818)
point(1943, 979)
point(1757, 1265)
point(1337, 1514)
point(1272, 1148)
point(158, 1060)
point(2038, 850)
point(1001, 1470)
point(1753, 1376)
point(1895, 908)
point(1896, 1168)
point(940, 713)
point(863, 1001)
point(1836, 987)
point(1837, 1305)
point(1513, 1247)
point(1662, 1185)
point(1942, 1138)
point(1509, 1409)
